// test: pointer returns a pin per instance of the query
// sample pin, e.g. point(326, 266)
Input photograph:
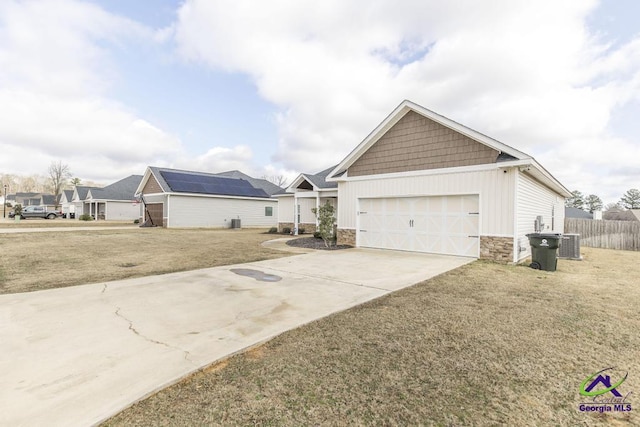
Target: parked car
point(37, 212)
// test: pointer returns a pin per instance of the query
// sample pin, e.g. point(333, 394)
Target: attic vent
point(570, 246)
point(504, 157)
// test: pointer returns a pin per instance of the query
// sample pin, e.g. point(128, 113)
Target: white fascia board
point(441, 171)
point(299, 181)
point(214, 196)
point(143, 181)
point(307, 194)
point(399, 112)
point(295, 183)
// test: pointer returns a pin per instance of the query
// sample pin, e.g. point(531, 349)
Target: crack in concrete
point(151, 340)
point(104, 288)
point(312, 276)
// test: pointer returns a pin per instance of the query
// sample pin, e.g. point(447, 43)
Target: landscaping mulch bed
point(313, 243)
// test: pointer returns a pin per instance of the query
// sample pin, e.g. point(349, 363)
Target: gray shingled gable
point(83, 190)
point(320, 179)
point(124, 189)
point(68, 194)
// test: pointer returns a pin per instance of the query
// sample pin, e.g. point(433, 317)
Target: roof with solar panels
point(230, 184)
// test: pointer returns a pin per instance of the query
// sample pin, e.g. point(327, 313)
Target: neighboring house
point(66, 204)
point(571, 212)
point(306, 192)
point(26, 199)
point(422, 182)
point(179, 198)
point(115, 202)
point(620, 215)
point(33, 199)
point(77, 204)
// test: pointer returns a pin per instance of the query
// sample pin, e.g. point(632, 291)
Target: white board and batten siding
point(494, 188)
point(285, 209)
point(189, 211)
point(535, 199)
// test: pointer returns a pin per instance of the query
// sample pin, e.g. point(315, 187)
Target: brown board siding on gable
point(418, 143)
point(152, 186)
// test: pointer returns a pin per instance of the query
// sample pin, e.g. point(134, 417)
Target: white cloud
point(55, 72)
point(528, 73)
point(219, 159)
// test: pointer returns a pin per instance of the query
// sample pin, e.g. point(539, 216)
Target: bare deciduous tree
point(279, 180)
point(59, 173)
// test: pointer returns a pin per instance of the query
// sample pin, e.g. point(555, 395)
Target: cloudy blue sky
point(282, 86)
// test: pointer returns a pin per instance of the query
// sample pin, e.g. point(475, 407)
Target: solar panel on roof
point(208, 184)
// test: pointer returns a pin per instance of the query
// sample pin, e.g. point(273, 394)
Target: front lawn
point(485, 344)
point(54, 259)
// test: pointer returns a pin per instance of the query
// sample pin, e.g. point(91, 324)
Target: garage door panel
point(435, 224)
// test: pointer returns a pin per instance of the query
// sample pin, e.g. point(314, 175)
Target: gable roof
point(507, 157)
point(235, 184)
point(571, 212)
point(82, 191)
point(317, 180)
point(68, 195)
point(125, 189)
point(320, 179)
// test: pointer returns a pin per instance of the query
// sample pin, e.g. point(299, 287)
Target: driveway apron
point(76, 356)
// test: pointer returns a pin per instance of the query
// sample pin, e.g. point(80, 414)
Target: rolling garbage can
point(544, 251)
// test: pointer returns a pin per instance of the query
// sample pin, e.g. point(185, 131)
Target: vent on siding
point(570, 246)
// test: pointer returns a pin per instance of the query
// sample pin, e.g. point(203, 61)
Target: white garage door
point(435, 224)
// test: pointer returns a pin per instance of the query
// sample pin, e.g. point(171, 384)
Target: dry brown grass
point(36, 261)
point(485, 344)
point(58, 223)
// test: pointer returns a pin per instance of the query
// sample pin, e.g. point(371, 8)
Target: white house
point(115, 202)
point(179, 198)
point(422, 182)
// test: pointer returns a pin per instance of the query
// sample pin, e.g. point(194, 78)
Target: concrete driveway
point(76, 356)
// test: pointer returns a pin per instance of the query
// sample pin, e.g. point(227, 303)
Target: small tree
point(576, 200)
point(593, 203)
point(326, 220)
point(75, 181)
point(631, 199)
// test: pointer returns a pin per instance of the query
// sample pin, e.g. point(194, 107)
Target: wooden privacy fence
point(623, 235)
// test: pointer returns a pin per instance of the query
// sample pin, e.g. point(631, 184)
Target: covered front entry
point(435, 224)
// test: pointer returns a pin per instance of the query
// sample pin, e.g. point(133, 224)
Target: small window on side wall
point(268, 211)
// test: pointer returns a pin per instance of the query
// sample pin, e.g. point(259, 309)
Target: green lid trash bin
point(544, 251)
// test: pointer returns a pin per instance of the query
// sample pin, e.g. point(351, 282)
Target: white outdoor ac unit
point(569, 246)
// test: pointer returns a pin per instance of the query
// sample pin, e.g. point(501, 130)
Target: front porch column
point(317, 210)
point(295, 216)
